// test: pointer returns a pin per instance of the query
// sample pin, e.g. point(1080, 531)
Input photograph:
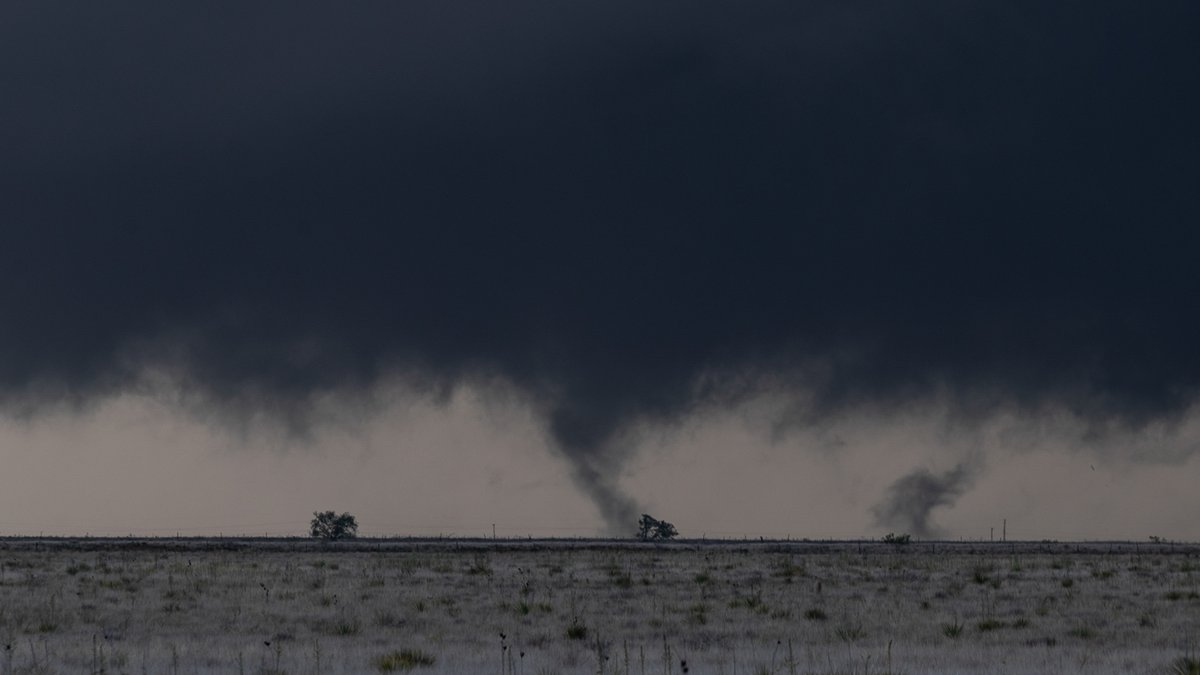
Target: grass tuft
point(850, 633)
point(1083, 633)
point(576, 630)
point(980, 574)
point(403, 659)
point(1185, 665)
point(989, 625)
point(816, 614)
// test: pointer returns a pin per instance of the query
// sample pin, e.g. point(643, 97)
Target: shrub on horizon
point(330, 526)
point(653, 529)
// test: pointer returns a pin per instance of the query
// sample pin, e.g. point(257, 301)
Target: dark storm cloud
point(599, 202)
point(909, 503)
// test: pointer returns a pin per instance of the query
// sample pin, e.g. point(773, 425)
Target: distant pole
point(1004, 535)
point(991, 534)
point(493, 532)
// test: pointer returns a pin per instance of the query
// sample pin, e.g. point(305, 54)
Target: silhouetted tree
point(665, 530)
point(330, 526)
point(653, 529)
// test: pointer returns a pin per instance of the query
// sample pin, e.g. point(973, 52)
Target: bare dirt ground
point(593, 606)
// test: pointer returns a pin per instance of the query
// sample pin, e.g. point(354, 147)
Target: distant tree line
point(330, 526)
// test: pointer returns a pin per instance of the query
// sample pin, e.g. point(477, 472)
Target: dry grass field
point(532, 608)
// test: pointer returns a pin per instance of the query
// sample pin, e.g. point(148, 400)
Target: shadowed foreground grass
point(596, 609)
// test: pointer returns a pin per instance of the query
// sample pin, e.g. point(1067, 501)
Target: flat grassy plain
point(543, 607)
